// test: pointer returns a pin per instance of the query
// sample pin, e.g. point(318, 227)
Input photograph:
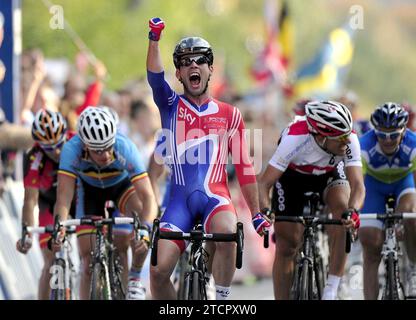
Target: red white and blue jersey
point(299, 151)
point(198, 141)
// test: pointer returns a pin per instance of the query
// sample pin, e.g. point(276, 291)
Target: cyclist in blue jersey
point(200, 134)
point(103, 165)
point(389, 164)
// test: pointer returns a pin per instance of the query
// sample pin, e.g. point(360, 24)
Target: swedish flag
point(327, 72)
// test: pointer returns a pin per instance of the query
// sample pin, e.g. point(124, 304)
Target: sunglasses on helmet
point(187, 61)
point(391, 135)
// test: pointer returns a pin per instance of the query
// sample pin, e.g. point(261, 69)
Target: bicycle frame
point(62, 271)
point(309, 268)
point(390, 253)
point(196, 277)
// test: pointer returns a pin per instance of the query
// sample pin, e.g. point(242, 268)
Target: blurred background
point(270, 55)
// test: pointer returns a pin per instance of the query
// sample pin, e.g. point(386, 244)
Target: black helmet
point(389, 115)
point(192, 45)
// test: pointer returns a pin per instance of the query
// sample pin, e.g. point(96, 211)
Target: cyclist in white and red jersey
point(200, 133)
point(41, 162)
point(311, 156)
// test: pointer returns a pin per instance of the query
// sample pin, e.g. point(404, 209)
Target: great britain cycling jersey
point(299, 151)
point(386, 175)
point(198, 142)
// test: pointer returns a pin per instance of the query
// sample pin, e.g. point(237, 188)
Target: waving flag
point(327, 72)
point(271, 64)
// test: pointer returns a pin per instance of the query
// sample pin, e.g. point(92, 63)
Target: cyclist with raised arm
point(312, 154)
point(49, 130)
point(389, 162)
point(103, 165)
point(201, 132)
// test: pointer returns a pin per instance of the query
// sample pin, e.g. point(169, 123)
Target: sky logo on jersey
point(184, 114)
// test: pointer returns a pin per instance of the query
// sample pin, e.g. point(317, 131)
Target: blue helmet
point(389, 115)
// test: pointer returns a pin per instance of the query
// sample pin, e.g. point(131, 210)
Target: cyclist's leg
point(223, 263)
point(45, 218)
point(127, 203)
point(175, 218)
point(371, 236)
point(407, 203)
point(288, 200)
point(288, 239)
point(336, 196)
point(92, 203)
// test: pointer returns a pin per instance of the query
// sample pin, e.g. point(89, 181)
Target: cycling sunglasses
point(101, 151)
point(52, 147)
point(344, 138)
point(187, 61)
point(391, 135)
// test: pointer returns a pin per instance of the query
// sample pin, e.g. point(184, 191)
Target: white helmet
point(328, 118)
point(97, 128)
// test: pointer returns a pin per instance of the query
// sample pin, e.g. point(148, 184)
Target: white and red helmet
point(328, 118)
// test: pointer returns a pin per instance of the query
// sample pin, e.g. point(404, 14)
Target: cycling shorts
point(185, 208)
point(376, 193)
point(91, 201)
point(288, 197)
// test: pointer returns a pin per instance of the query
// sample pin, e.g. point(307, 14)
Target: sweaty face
point(194, 72)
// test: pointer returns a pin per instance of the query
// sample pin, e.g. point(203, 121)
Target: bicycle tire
point(240, 244)
point(195, 293)
point(100, 286)
point(118, 291)
point(319, 277)
point(304, 281)
point(391, 292)
point(59, 293)
point(182, 283)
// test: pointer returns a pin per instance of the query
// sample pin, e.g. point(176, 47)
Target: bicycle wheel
point(100, 284)
point(118, 291)
point(195, 293)
point(182, 271)
point(319, 277)
point(304, 282)
point(58, 292)
point(391, 290)
point(240, 246)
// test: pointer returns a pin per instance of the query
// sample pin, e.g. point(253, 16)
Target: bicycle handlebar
point(198, 235)
point(315, 220)
point(384, 216)
point(308, 220)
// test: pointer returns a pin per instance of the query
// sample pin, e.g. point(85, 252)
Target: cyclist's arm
point(64, 195)
point(354, 172)
point(251, 195)
point(30, 201)
point(356, 181)
point(241, 160)
point(154, 61)
point(266, 181)
point(144, 191)
point(155, 171)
